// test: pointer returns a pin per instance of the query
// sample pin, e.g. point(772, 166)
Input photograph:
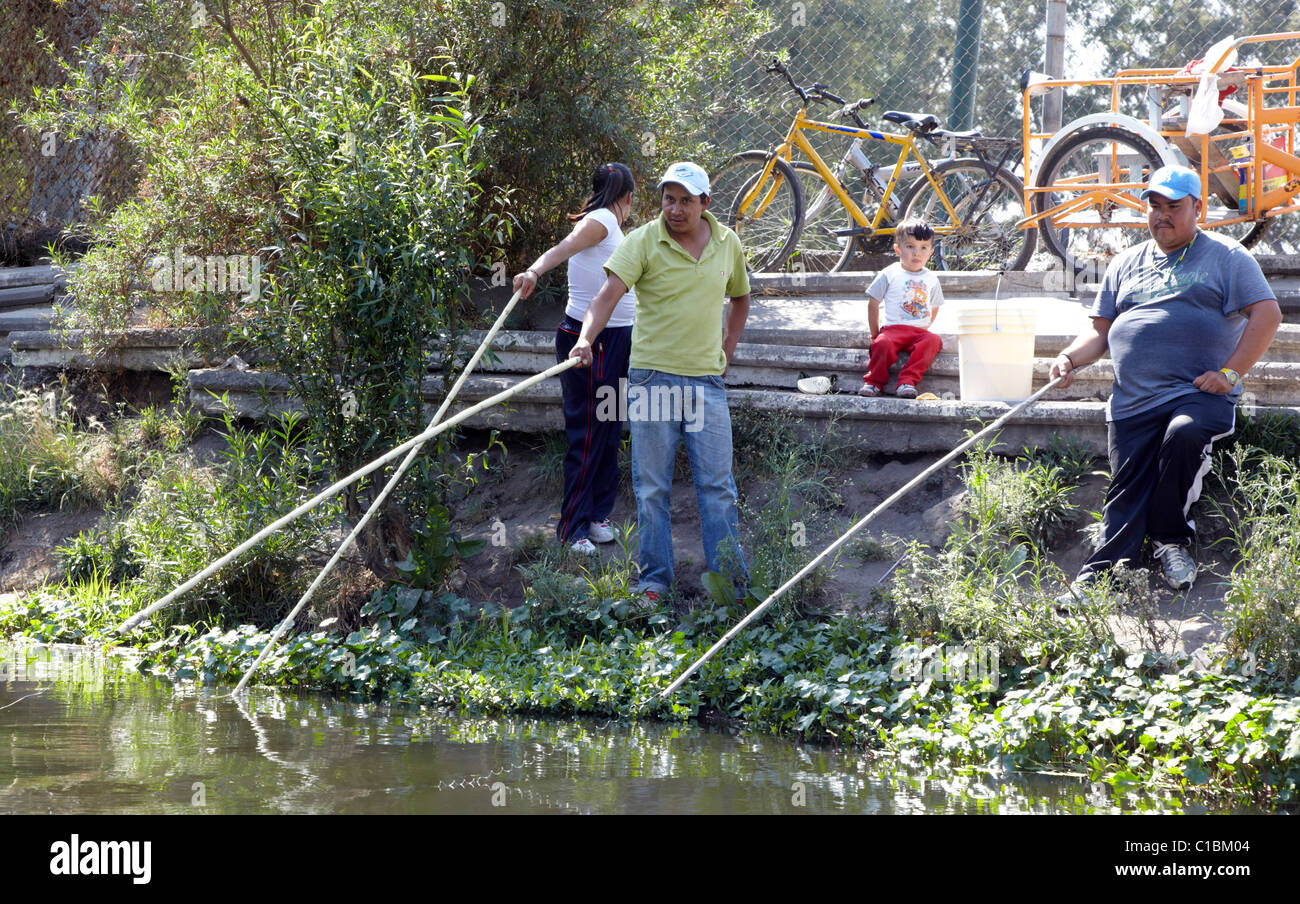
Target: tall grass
point(993, 582)
point(45, 461)
point(185, 515)
point(1262, 510)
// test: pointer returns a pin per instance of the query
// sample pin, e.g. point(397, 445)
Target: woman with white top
point(591, 394)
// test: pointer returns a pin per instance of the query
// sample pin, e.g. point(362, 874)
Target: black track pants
point(1157, 461)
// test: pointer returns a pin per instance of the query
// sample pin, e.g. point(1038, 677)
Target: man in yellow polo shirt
point(684, 265)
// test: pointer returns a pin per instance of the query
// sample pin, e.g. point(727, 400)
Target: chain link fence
point(46, 180)
point(902, 54)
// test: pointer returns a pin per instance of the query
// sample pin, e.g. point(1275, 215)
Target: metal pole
point(899, 494)
point(1054, 64)
point(966, 54)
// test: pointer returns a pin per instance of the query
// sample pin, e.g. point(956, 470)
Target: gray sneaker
point(1177, 565)
point(584, 547)
point(905, 391)
point(1074, 596)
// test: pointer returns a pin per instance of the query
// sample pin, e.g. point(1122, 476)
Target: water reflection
point(82, 731)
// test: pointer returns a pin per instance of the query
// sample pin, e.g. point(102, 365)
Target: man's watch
point(1233, 377)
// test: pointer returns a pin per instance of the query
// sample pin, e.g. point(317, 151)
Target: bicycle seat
point(922, 121)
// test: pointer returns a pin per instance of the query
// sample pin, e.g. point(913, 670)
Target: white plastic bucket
point(995, 347)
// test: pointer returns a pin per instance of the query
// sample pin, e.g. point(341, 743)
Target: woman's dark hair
point(610, 182)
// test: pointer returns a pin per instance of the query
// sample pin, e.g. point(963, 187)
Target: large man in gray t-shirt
point(1184, 315)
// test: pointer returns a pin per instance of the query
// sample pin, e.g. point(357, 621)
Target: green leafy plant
point(1027, 500)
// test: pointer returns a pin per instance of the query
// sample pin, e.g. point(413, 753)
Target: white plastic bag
point(1204, 114)
point(1212, 56)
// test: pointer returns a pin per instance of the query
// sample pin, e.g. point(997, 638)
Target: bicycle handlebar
point(822, 94)
point(850, 111)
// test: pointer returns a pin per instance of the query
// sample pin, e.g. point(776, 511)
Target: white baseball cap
point(695, 179)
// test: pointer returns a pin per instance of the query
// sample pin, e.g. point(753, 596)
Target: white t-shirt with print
point(587, 272)
point(907, 298)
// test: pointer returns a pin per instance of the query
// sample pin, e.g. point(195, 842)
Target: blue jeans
point(663, 409)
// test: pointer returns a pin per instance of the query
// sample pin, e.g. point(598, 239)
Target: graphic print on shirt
point(916, 301)
point(1155, 285)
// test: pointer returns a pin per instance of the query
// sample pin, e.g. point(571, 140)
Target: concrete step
point(26, 296)
point(877, 425)
point(1281, 271)
point(135, 350)
point(759, 365)
point(956, 284)
point(38, 275)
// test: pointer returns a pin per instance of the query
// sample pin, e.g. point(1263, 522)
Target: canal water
point(82, 731)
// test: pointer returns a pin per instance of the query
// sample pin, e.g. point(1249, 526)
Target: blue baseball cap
point(1174, 182)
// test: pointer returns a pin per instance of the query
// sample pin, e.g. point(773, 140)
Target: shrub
point(1026, 500)
point(184, 516)
point(563, 87)
point(1262, 610)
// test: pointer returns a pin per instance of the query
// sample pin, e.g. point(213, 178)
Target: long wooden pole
point(337, 487)
point(382, 497)
point(844, 538)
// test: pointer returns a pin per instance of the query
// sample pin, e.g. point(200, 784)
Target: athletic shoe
point(1068, 601)
point(646, 600)
point(1177, 565)
point(869, 390)
point(1081, 592)
point(584, 547)
point(905, 391)
point(600, 531)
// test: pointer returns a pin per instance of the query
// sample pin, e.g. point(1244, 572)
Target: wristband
point(534, 272)
point(1067, 358)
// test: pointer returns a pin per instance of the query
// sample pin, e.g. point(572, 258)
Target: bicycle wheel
point(767, 220)
point(819, 248)
point(988, 202)
point(1107, 155)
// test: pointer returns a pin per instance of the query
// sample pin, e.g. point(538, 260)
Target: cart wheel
point(1246, 233)
point(1079, 167)
point(1256, 233)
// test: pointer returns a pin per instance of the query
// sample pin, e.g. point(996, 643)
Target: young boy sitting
point(911, 295)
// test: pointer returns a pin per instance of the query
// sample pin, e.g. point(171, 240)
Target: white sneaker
point(584, 547)
point(601, 531)
point(1177, 565)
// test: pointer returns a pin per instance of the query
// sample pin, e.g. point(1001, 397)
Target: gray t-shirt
point(1173, 317)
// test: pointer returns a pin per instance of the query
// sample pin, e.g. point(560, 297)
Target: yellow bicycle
point(775, 203)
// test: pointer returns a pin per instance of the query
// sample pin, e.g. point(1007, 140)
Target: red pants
point(920, 344)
